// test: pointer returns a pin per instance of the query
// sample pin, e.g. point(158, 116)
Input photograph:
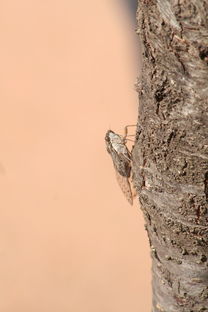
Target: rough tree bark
point(170, 157)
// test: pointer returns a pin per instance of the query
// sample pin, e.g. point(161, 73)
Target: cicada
point(121, 157)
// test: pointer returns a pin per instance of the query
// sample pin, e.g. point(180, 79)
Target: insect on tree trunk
point(170, 156)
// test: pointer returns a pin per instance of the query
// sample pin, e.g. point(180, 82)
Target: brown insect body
point(121, 157)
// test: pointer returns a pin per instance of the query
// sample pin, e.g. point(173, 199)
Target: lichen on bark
point(170, 156)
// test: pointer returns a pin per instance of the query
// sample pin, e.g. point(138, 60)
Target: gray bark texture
point(170, 156)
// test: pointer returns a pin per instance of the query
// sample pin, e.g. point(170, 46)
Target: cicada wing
point(125, 187)
point(121, 164)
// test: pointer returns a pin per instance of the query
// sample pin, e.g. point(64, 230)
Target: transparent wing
point(125, 187)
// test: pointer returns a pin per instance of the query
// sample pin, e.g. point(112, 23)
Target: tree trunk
point(170, 156)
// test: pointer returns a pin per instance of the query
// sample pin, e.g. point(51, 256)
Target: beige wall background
point(69, 241)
